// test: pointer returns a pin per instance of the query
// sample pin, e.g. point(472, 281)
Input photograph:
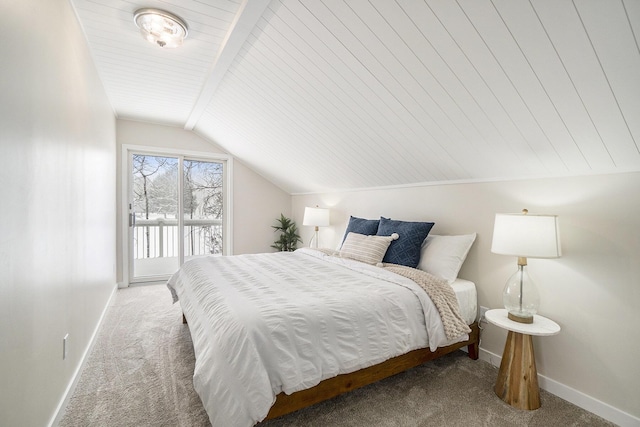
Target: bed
point(274, 333)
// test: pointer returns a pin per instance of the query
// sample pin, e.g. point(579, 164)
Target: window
point(178, 207)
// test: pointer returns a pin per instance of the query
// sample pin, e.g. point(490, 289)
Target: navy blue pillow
point(368, 227)
point(405, 250)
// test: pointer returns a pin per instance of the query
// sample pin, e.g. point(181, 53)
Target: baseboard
point(574, 396)
point(57, 416)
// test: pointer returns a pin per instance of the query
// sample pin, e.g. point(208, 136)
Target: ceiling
point(321, 95)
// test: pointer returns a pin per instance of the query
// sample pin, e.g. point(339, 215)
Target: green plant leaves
point(289, 237)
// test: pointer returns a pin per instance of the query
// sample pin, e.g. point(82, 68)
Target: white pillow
point(368, 249)
point(443, 256)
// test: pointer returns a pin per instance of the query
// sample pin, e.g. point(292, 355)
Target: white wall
point(593, 291)
point(57, 215)
point(256, 201)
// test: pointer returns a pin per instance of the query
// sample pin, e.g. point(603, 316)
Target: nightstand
point(517, 382)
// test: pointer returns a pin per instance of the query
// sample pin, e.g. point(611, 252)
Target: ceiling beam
point(243, 23)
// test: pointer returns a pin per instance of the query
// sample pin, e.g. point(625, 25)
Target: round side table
point(517, 382)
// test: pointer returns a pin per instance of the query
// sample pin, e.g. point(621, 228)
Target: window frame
point(227, 217)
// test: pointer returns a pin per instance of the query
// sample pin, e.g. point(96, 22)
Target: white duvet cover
point(266, 323)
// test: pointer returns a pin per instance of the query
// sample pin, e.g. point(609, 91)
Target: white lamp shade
point(318, 217)
point(529, 236)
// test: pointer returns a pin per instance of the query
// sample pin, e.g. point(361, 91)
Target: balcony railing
point(159, 237)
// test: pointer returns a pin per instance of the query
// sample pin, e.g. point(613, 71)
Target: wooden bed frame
point(287, 403)
point(332, 387)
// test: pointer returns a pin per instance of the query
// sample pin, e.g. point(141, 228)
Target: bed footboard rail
point(343, 383)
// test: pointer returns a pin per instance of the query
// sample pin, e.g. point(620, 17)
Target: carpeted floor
point(140, 374)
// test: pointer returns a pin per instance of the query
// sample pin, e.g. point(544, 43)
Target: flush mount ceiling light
point(160, 27)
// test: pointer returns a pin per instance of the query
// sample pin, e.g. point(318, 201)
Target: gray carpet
point(140, 374)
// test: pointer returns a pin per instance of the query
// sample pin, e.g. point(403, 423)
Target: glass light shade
point(520, 296)
point(160, 27)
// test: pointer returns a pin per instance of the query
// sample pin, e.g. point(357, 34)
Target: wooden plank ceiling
point(341, 94)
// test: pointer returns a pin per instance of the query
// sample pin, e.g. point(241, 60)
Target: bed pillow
point(443, 256)
point(368, 249)
point(405, 250)
point(367, 227)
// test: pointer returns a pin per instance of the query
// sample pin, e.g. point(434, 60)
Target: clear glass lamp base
point(520, 296)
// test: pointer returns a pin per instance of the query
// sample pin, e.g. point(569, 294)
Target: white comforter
point(267, 323)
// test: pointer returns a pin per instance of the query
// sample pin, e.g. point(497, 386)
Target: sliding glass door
point(203, 203)
point(176, 212)
point(154, 216)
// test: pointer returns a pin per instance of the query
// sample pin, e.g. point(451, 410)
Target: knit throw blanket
point(442, 295)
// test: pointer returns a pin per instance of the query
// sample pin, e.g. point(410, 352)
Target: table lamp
point(316, 217)
point(524, 236)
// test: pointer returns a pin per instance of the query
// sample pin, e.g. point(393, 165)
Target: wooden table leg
point(517, 382)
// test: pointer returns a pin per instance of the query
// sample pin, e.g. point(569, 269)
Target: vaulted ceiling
point(340, 94)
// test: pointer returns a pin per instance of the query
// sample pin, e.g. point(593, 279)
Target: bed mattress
point(467, 298)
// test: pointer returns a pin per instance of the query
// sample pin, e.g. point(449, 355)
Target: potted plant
point(289, 236)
